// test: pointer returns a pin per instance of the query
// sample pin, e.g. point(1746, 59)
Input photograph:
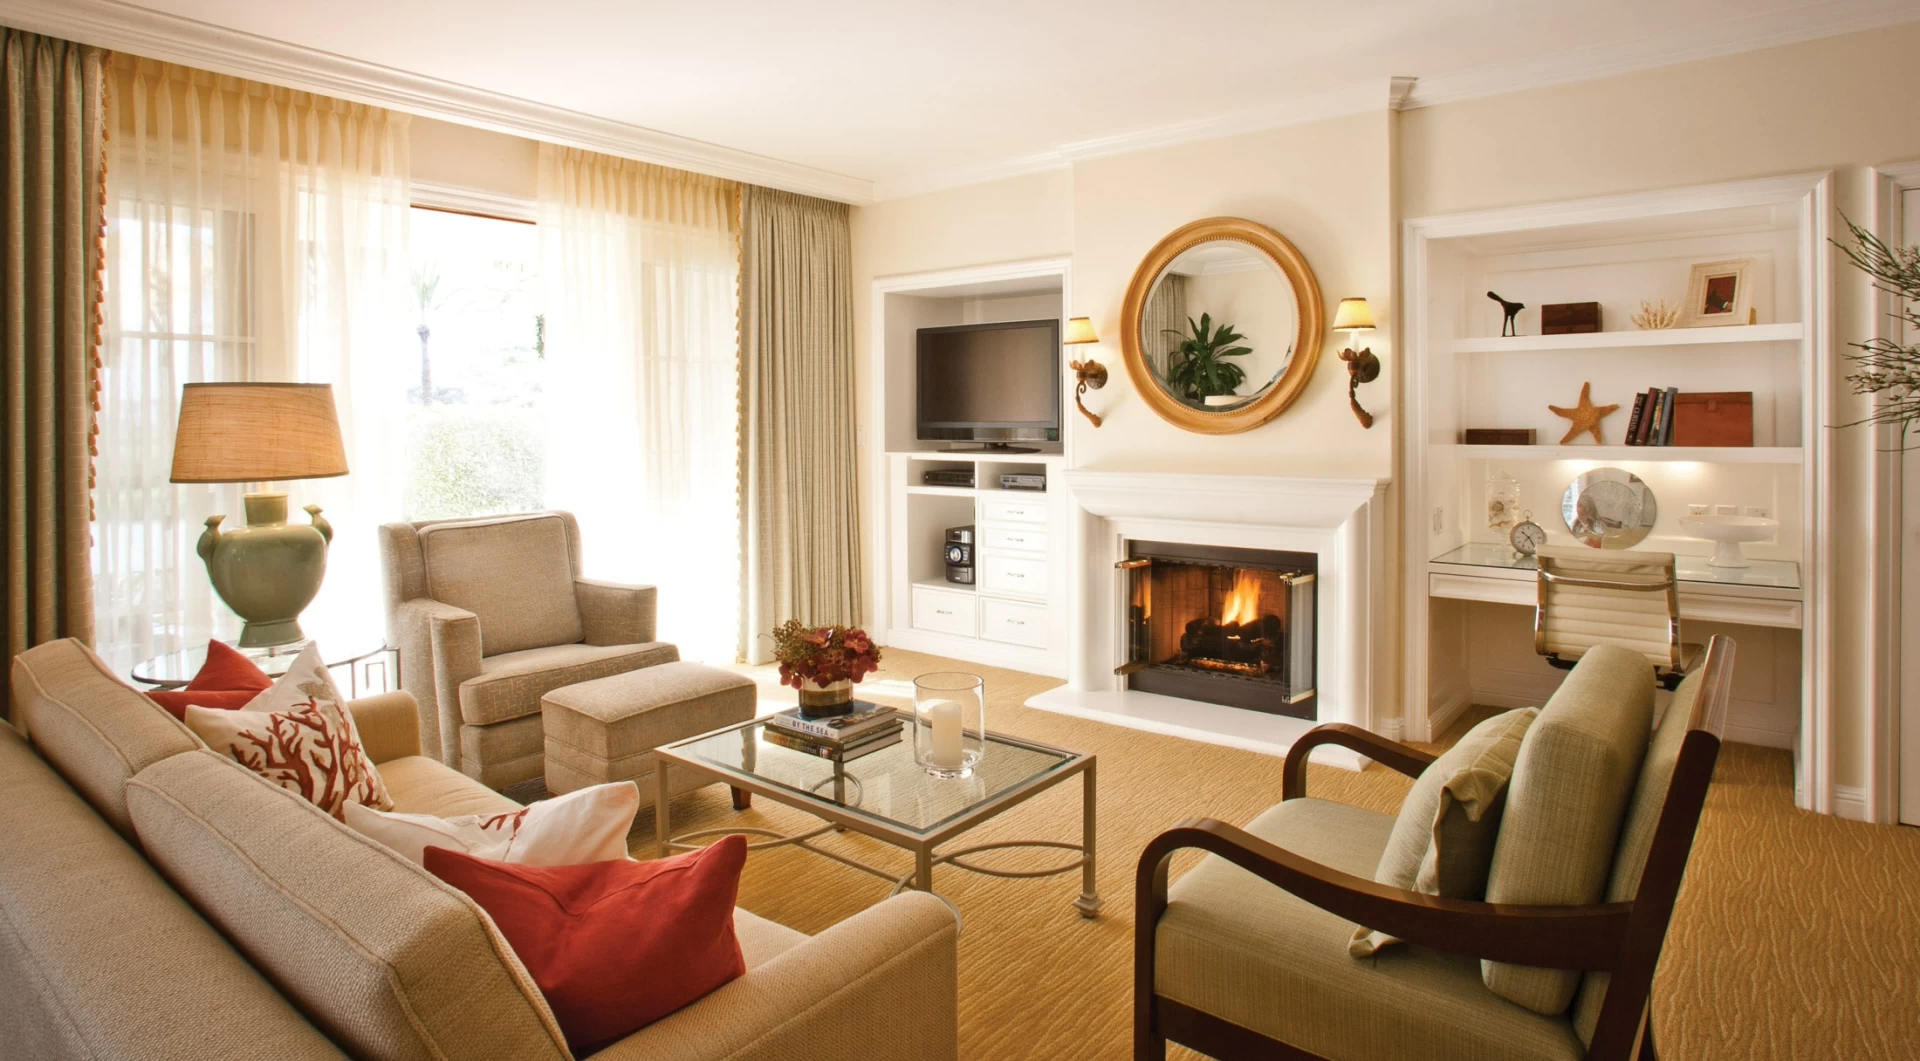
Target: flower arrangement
point(823, 655)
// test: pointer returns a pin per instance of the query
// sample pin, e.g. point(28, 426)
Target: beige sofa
point(159, 901)
point(490, 615)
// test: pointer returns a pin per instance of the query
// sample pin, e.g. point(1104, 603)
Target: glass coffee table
point(889, 797)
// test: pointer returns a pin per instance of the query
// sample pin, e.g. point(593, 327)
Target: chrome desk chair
point(1591, 597)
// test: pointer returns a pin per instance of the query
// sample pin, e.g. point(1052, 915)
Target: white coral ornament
point(1656, 315)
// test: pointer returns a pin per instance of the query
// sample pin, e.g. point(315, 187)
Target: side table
point(360, 654)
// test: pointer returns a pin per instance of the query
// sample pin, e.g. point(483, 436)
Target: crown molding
point(1746, 33)
point(139, 31)
point(1358, 98)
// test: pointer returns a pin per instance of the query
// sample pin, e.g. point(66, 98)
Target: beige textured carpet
point(1797, 936)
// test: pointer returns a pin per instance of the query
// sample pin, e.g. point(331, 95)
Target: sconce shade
point(257, 432)
point(1353, 315)
point(1079, 330)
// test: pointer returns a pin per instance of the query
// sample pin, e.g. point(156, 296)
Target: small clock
point(1527, 536)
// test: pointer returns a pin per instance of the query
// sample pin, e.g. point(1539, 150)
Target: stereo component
point(1012, 481)
point(959, 555)
point(948, 477)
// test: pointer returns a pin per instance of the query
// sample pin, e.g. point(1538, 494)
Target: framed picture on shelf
point(1719, 293)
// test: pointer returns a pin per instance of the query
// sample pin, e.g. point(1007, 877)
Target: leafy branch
point(1888, 368)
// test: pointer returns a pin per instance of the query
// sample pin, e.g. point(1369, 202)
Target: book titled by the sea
point(840, 729)
point(838, 753)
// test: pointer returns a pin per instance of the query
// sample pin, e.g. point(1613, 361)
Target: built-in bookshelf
point(1462, 373)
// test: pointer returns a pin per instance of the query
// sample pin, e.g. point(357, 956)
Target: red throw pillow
point(614, 946)
point(228, 680)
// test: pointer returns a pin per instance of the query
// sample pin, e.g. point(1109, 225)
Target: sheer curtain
point(253, 233)
point(641, 267)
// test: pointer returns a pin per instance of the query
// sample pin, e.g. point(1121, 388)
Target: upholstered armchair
point(1253, 953)
point(488, 616)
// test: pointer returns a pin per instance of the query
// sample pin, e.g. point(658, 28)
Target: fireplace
point(1227, 626)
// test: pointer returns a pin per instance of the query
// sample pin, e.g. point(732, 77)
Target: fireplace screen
point(1225, 626)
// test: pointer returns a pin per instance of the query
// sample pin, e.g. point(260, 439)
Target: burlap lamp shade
point(257, 433)
point(269, 570)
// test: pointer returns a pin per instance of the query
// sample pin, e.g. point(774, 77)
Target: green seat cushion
point(1234, 946)
point(1571, 783)
point(1442, 841)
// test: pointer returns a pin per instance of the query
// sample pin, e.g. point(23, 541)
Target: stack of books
point(1652, 420)
point(844, 738)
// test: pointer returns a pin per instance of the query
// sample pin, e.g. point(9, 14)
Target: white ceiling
point(910, 93)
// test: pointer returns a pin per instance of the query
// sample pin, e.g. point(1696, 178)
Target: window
point(475, 434)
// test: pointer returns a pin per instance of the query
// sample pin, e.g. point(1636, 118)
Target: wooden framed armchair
point(490, 615)
point(1246, 957)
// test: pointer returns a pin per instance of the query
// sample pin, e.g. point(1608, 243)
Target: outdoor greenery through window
point(475, 440)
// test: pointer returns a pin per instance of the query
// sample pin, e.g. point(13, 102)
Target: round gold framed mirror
point(1222, 325)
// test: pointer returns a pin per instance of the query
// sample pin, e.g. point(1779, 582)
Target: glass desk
point(1766, 594)
point(357, 653)
point(888, 796)
point(1784, 574)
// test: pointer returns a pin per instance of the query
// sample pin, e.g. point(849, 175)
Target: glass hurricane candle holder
point(949, 723)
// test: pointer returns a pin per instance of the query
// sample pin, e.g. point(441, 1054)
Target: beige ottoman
point(606, 729)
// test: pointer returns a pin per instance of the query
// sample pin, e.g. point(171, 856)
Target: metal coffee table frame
point(920, 843)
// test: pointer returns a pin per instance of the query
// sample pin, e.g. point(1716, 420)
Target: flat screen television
point(992, 383)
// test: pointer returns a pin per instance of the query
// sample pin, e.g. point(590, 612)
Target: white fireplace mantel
point(1339, 520)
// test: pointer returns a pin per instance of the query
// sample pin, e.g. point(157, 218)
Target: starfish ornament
point(1585, 417)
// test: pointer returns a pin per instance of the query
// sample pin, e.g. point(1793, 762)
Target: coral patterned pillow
point(586, 825)
point(226, 680)
point(299, 736)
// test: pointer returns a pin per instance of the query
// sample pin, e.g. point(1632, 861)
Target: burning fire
point(1243, 604)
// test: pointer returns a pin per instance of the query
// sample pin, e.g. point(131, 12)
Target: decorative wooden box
point(1713, 418)
point(1566, 318)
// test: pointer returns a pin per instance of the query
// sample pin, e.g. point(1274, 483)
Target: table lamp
point(261, 433)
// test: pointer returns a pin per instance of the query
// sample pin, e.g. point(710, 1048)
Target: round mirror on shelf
point(1609, 508)
point(1222, 325)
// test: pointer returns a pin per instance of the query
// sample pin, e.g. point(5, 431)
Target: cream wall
point(1339, 189)
point(445, 153)
point(1325, 187)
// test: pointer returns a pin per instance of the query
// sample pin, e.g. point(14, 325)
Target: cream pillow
point(1442, 842)
point(586, 825)
point(300, 736)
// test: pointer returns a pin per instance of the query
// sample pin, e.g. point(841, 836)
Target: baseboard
point(1736, 733)
point(1392, 728)
point(979, 650)
point(1850, 803)
point(1446, 714)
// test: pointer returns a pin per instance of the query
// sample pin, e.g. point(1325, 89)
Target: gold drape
point(800, 506)
point(53, 119)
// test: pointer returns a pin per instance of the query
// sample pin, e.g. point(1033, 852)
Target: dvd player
point(948, 477)
point(1012, 481)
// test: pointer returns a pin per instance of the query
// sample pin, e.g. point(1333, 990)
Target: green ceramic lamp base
point(269, 570)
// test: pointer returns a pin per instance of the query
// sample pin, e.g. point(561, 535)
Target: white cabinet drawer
point(1009, 510)
point(1016, 624)
point(1012, 574)
point(945, 611)
point(1012, 538)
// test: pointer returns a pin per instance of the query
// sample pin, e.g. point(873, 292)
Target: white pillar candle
point(944, 716)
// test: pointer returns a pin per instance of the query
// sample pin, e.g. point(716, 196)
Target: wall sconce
point(1353, 317)
point(1088, 374)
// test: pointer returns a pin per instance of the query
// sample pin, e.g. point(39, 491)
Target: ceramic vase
point(825, 701)
point(269, 570)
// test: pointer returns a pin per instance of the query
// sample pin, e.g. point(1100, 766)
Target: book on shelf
point(838, 728)
point(1633, 422)
point(837, 753)
point(1666, 415)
